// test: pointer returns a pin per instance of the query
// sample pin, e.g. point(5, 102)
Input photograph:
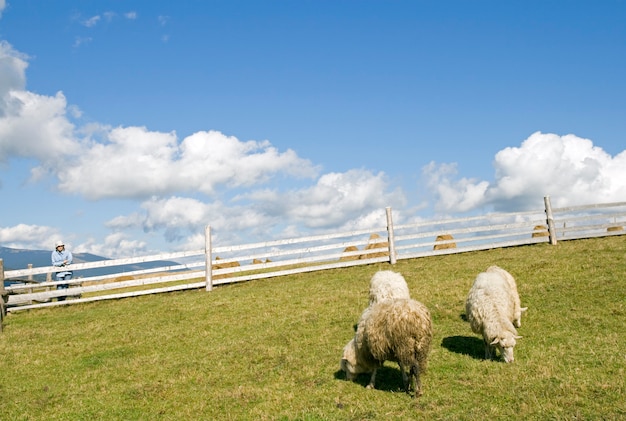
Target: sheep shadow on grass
point(466, 345)
point(388, 379)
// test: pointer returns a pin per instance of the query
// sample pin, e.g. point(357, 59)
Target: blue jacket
point(58, 257)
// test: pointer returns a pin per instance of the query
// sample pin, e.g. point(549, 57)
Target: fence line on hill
point(236, 263)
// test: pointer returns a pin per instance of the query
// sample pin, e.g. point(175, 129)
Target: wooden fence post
point(3, 295)
point(550, 220)
point(208, 258)
point(390, 238)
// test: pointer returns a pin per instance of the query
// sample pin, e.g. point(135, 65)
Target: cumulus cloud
point(336, 199)
point(31, 125)
point(568, 168)
point(13, 66)
point(25, 235)
point(115, 245)
point(453, 195)
point(136, 162)
point(36, 126)
point(183, 220)
point(340, 201)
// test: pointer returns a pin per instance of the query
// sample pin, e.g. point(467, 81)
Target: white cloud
point(135, 162)
point(138, 163)
point(453, 195)
point(183, 220)
point(237, 163)
point(92, 21)
point(31, 125)
point(568, 168)
point(28, 236)
point(13, 66)
point(35, 126)
point(339, 197)
point(115, 245)
point(339, 201)
point(130, 15)
point(336, 199)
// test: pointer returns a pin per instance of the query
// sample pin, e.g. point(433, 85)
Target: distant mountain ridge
point(20, 259)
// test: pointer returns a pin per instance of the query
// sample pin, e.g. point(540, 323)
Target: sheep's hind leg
point(416, 383)
point(405, 377)
point(372, 380)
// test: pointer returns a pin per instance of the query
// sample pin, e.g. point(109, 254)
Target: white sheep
point(397, 330)
point(491, 311)
point(517, 306)
point(386, 284)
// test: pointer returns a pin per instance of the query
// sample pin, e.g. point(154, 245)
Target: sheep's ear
point(524, 309)
point(495, 341)
point(518, 337)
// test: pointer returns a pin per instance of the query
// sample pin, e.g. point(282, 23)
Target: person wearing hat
point(62, 258)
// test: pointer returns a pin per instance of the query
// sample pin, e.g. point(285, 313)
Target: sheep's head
point(350, 364)
point(348, 361)
point(505, 345)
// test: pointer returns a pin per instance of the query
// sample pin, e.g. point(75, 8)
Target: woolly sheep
point(517, 307)
point(491, 311)
point(397, 330)
point(386, 284)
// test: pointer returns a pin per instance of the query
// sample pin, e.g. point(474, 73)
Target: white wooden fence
point(203, 269)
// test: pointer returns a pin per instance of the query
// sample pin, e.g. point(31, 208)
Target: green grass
point(270, 349)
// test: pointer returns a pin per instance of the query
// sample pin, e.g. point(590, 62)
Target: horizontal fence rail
point(212, 266)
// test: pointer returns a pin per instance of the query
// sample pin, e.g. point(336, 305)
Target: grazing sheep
point(386, 284)
point(517, 306)
point(397, 330)
point(490, 309)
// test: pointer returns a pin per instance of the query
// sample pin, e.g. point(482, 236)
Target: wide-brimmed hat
point(59, 244)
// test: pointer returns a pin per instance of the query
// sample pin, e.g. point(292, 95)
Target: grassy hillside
point(270, 349)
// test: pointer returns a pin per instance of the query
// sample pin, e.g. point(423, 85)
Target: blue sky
point(127, 126)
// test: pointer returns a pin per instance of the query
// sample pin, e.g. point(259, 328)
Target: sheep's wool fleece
point(396, 330)
point(513, 294)
point(490, 307)
point(388, 285)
